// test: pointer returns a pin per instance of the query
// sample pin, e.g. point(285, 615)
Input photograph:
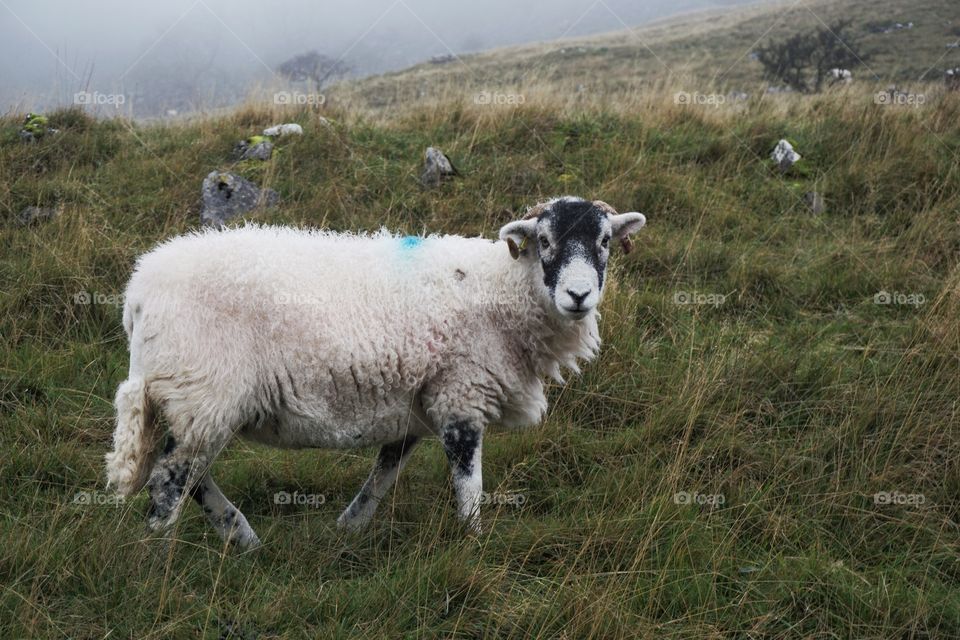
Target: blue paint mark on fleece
point(410, 242)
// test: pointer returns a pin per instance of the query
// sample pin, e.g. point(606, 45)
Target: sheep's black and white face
point(567, 245)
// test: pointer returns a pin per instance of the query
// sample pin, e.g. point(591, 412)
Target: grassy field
point(767, 447)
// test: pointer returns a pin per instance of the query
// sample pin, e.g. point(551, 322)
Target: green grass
point(796, 399)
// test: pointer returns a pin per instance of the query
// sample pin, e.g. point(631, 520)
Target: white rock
point(784, 155)
point(284, 130)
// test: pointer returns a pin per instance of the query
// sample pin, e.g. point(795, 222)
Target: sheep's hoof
point(351, 524)
point(245, 544)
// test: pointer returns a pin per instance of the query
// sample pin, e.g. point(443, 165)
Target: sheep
point(838, 76)
point(301, 339)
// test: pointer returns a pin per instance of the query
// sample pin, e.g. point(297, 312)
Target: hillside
point(767, 447)
point(703, 51)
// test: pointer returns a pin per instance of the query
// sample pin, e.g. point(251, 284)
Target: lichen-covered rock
point(35, 126)
point(227, 195)
point(254, 148)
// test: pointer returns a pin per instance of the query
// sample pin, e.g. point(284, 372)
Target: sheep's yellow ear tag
point(515, 251)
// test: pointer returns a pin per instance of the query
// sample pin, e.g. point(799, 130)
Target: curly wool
point(308, 338)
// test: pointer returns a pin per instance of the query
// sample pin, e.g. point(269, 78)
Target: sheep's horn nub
point(536, 210)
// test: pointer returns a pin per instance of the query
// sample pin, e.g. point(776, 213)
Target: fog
point(179, 55)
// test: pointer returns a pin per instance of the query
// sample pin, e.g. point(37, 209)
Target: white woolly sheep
point(838, 76)
point(317, 339)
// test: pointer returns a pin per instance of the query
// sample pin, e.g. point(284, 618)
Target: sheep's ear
point(624, 224)
point(518, 235)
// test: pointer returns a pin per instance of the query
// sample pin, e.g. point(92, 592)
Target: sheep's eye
point(605, 242)
point(544, 243)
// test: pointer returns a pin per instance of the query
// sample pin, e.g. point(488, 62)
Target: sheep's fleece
point(318, 339)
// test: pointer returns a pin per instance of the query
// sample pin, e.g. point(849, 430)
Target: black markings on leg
point(358, 504)
point(166, 487)
point(460, 442)
point(391, 454)
point(390, 461)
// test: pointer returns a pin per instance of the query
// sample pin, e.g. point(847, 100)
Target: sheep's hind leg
point(225, 518)
point(167, 487)
point(175, 474)
point(390, 461)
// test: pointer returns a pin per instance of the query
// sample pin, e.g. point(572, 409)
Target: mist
point(186, 55)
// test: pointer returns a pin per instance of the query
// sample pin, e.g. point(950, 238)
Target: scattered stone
point(445, 59)
point(35, 215)
point(784, 155)
point(814, 202)
point(254, 148)
point(291, 128)
point(436, 167)
point(227, 195)
point(889, 28)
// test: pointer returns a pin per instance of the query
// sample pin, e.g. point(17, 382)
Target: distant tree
point(314, 67)
point(803, 61)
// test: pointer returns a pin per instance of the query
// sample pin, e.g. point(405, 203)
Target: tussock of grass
point(796, 398)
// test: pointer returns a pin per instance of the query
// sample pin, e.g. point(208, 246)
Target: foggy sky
point(52, 48)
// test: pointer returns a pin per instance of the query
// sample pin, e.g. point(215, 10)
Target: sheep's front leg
point(462, 442)
point(386, 470)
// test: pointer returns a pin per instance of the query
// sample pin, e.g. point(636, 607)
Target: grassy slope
point(797, 399)
point(704, 51)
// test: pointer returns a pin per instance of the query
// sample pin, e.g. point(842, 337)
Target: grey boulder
point(227, 195)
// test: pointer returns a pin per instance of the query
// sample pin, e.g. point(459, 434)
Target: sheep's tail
point(134, 440)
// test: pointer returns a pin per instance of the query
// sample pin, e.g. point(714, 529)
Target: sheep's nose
point(578, 296)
